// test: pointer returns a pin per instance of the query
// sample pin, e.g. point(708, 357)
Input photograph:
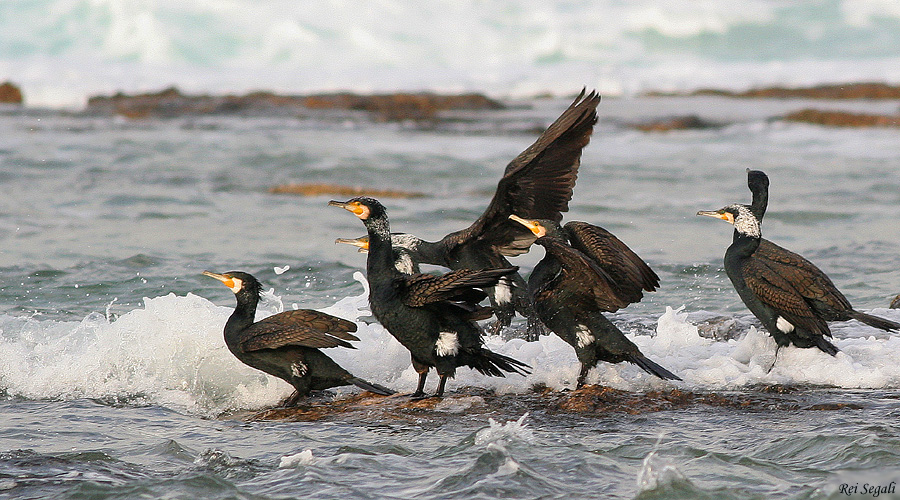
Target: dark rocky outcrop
point(895, 304)
point(171, 103)
point(831, 118)
point(866, 90)
point(688, 122)
point(10, 93)
point(320, 189)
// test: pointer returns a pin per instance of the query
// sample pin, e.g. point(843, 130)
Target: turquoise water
point(115, 381)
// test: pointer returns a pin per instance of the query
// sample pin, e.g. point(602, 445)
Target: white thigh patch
point(784, 325)
point(584, 336)
point(298, 369)
point(447, 344)
point(503, 292)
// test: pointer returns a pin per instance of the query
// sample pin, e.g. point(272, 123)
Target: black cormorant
point(286, 345)
point(536, 184)
point(586, 271)
point(432, 316)
point(792, 298)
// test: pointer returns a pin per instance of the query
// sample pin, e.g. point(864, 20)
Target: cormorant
point(286, 345)
point(432, 316)
point(586, 271)
point(537, 184)
point(792, 298)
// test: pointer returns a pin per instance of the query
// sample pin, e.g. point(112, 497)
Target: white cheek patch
point(584, 336)
point(447, 344)
point(298, 369)
point(784, 325)
point(237, 284)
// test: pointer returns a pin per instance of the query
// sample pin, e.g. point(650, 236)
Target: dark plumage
point(286, 345)
point(536, 184)
point(792, 298)
point(586, 271)
point(403, 260)
point(432, 316)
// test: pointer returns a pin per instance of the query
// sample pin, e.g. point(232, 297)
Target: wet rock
point(864, 90)
point(721, 328)
point(171, 103)
point(688, 122)
point(600, 399)
point(10, 93)
point(319, 189)
point(895, 304)
point(842, 118)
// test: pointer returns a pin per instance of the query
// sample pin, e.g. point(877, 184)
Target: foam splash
point(513, 429)
point(305, 457)
point(171, 353)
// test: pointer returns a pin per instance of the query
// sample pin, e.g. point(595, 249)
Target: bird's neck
point(243, 315)
point(381, 253)
point(743, 245)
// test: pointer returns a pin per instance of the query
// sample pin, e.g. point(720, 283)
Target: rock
point(866, 90)
point(842, 118)
point(171, 102)
point(895, 304)
point(10, 94)
point(319, 189)
point(687, 122)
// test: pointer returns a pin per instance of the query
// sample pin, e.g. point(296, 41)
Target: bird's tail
point(652, 368)
point(884, 324)
point(377, 389)
point(827, 347)
point(493, 364)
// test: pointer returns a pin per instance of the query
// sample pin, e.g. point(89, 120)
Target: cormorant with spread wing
point(792, 298)
point(286, 345)
point(432, 316)
point(586, 271)
point(536, 184)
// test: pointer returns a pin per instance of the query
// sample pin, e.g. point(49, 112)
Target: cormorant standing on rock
point(536, 184)
point(286, 345)
point(432, 316)
point(586, 271)
point(792, 298)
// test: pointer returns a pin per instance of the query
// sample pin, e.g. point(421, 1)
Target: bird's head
point(363, 207)
point(539, 227)
point(740, 216)
point(238, 282)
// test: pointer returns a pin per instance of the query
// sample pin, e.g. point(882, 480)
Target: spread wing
point(809, 280)
point(778, 292)
point(538, 183)
point(629, 273)
point(462, 285)
point(582, 280)
point(303, 327)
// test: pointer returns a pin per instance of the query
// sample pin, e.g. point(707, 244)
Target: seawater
point(116, 382)
point(62, 51)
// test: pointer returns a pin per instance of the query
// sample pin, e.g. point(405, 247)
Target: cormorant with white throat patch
point(432, 316)
point(792, 298)
point(537, 184)
point(286, 345)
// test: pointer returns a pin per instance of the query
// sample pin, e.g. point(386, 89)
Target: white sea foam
point(171, 352)
point(305, 457)
point(513, 429)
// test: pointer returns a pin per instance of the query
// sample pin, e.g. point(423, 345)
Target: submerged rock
point(319, 189)
point(10, 93)
point(842, 118)
point(687, 122)
point(171, 102)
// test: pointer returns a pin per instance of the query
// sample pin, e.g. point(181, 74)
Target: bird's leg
point(777, 348)
point(290, 400)
point(422, 370)
point(583, 375)
point(441, 385)
point(534, 329)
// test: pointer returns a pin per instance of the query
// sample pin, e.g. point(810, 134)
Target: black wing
point(781, 293)
point(303, 327)
point(809, 281)
point(581, 280)
point(630, 274)
point(538, 183)
point(462, 285)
